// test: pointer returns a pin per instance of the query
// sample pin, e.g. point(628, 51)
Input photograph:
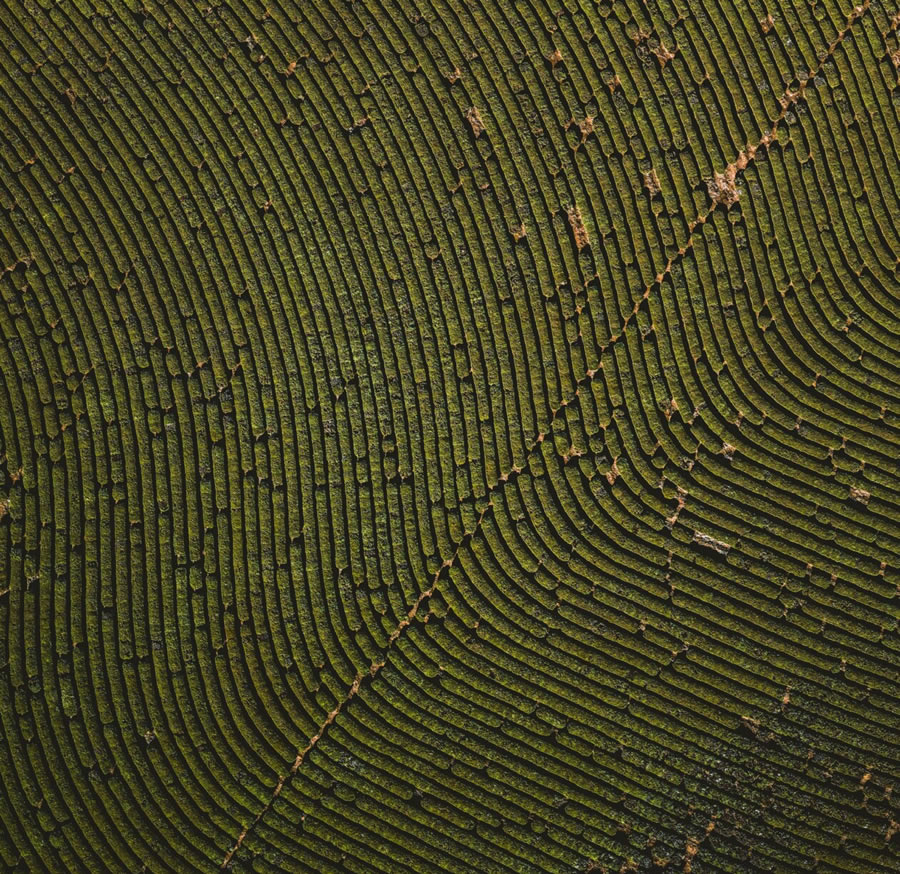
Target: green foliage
point(449, 436)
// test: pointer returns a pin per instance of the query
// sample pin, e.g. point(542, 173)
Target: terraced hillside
point(450, 436)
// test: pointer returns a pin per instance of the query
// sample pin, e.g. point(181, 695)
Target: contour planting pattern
point(457, 435)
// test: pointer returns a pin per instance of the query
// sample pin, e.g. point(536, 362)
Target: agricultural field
point(450, 436)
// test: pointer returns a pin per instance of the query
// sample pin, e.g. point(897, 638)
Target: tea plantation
point(450, 436)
